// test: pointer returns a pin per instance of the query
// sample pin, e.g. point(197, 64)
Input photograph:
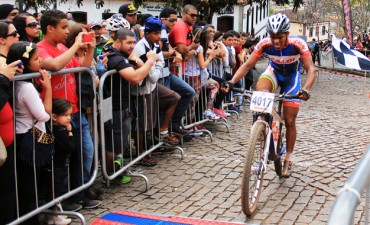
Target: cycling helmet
point(278, 23)
point(116, 22)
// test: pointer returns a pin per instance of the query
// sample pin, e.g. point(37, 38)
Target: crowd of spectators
point(146, 53)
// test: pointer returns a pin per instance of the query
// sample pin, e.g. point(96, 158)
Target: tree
point(209, 7)
point(49, 4)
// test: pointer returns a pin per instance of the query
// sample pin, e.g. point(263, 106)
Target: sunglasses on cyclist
point(32, 24)
point(14, 34)
point(171, 20)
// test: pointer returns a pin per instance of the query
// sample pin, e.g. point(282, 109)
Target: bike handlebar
point(278, 97)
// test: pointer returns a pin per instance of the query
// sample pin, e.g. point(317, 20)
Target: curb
point(339, 73)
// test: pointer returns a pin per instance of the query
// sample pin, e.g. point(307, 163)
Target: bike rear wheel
point(253, 173)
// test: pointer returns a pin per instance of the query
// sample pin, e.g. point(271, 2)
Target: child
point(30, 111)
point(63, 143)
point(57, 56)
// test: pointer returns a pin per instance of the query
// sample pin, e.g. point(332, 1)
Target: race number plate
point(262, 101)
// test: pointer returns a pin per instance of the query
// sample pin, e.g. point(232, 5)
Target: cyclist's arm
point(311, 73)
point(244, 69)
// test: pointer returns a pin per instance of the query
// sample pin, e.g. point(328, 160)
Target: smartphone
point(20, 64)
point(87, 37)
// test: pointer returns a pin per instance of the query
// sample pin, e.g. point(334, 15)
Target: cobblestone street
point(333, 132)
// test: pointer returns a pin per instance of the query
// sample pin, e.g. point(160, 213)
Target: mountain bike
point(266, 143)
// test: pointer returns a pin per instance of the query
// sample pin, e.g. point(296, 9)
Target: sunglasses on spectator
point(171, 20)
point(103, 26)
point(192, 15)
point(14, 34)
point(32, 24)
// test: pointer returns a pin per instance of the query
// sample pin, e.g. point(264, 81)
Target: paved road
point(333, 132)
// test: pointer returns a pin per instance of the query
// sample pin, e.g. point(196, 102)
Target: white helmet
point(116, 22)
point(278, 23)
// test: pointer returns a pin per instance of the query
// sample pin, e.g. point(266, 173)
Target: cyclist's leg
point(290, 115)
point(267, 81)
point(290, 85)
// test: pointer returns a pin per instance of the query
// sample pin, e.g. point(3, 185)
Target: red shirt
point(63, 86)
point(6, 124)
point(181, 33)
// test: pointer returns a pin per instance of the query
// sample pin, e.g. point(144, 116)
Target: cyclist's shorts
point(290, 84)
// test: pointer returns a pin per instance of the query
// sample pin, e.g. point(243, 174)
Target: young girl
point(30, 111)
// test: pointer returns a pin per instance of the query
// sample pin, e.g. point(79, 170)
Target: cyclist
point(286, 53)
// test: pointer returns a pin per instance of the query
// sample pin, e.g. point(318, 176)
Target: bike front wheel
point(252, 179)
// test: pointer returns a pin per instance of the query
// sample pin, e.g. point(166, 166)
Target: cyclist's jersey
point(285, 61)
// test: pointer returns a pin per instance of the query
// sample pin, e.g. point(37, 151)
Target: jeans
point(186, 92)
point(87, 150)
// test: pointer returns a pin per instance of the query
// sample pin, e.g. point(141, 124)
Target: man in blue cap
point(150, 89)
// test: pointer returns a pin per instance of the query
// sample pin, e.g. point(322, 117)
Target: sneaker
point(233, 108)
point(169, 139)
point(164, 151)
point(179, 132)
point(219, 112)
point(58, 220)
point(89, 203)
point(148, 161)
point(210, 115)
point(119, 180)
point(287, 169)
point(196, 133)
point(93, 193)
point(72, 207)
point(118, 163)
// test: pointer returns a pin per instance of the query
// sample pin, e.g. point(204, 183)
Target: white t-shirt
point(28, 108)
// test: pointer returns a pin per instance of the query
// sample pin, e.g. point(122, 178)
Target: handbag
point(37, 147)
point(3, 152)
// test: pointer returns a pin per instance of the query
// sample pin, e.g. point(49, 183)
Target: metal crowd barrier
point(44, 208)
point(349, 197)
point(144, 145)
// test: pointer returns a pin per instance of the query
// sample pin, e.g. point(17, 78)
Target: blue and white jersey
point(287, 60)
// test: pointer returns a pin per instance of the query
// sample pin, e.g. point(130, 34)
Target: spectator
point(114, 23)
point(8, 11)
point(181, 35)
point(8, 205)
point(57, 56)
point(37, 16)
point(104, 31)
point(168, 17)
point(100, 41)
point(27, 26)
point(8, 36)
point(150, 89)
point(63, 146)
point(129, 12)
point(118, 58)
point(204, 57)
point(315, 51)
point(30, 111)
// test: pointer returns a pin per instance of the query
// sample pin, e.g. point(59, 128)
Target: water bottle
point(100, 67)
point(275, 130)
point(198, 70)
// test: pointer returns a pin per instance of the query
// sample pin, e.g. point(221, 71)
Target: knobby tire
point(253, 173)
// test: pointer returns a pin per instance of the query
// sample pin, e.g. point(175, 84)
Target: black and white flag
point(349, 57)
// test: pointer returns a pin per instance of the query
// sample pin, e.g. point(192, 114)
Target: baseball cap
point(95, 24)
point(128, 9)
point(153, 24)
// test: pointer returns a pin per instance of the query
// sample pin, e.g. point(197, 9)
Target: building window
point(311, 32)
point(323, 28)
point(256, 14)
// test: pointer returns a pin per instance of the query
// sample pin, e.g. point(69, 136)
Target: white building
point(247, 18)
